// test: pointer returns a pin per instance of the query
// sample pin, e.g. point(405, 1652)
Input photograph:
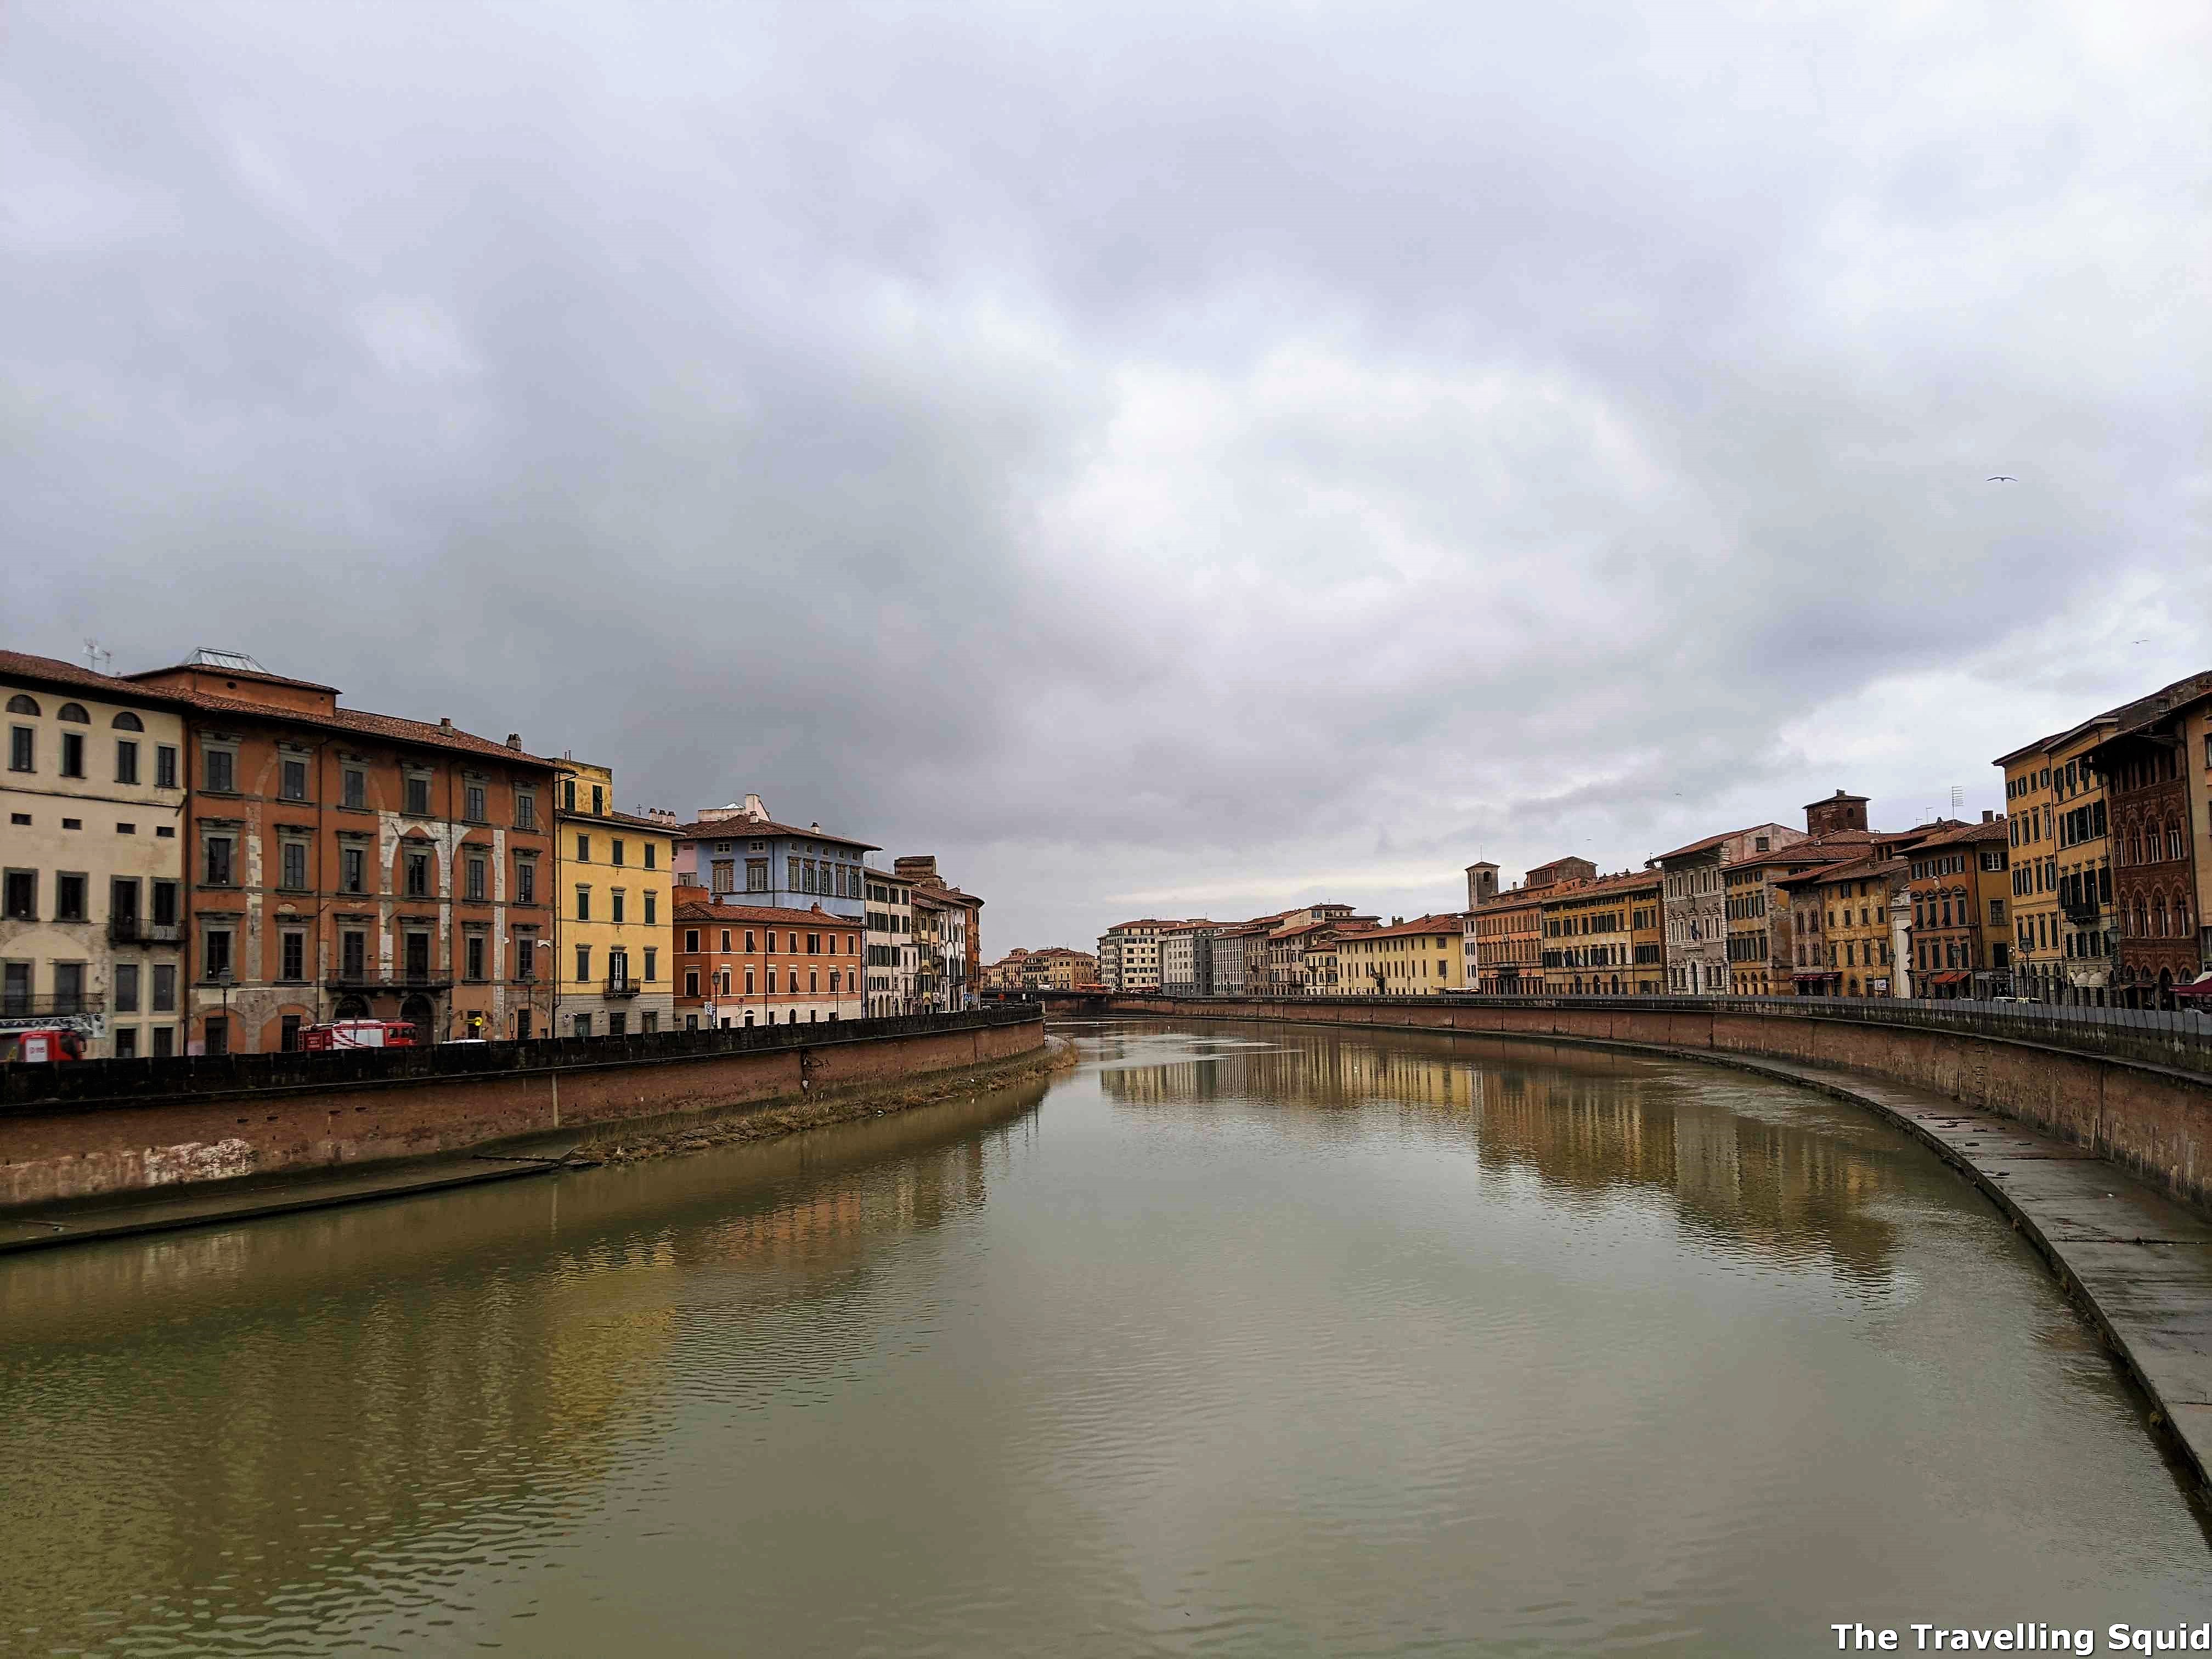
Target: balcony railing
point(131, 930)
point(368, 984)
point(621, 985)
point(15, 1006)
point(2082, 911)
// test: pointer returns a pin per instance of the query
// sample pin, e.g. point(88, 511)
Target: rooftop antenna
point(93, 656)
point(1957, 800)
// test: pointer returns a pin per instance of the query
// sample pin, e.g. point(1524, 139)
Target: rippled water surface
point(1247, 1339)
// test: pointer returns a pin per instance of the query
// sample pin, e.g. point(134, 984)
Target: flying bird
point(2003, 477)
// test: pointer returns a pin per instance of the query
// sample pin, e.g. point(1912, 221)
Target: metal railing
point(131, 930)
point(17, 1006)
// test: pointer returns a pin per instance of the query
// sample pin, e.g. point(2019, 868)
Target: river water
point(1241, 1340)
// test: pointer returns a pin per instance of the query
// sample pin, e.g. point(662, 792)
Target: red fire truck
point(358, 1034)
point(41, 1047)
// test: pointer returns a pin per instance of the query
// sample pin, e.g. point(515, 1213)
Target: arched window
point(127, 721)
point(2173, 841)
point(2158, 917)
point(73, 712)
point(19, 705)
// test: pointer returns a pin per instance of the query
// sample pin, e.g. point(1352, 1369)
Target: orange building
point(751, 964)
point(1506, 929)
point(345, 865)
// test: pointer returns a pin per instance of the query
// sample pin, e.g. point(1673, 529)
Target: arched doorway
point(417, 1012)
point(351, 1008)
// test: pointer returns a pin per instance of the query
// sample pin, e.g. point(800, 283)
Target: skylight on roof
point(207, 658)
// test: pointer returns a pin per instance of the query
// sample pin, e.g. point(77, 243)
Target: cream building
point(92, 928)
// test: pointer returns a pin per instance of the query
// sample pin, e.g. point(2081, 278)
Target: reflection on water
point(1256, 1340)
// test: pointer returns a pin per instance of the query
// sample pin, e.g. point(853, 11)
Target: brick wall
point(270, 1115)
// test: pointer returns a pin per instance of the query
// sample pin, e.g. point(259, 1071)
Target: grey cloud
point(1127, 449)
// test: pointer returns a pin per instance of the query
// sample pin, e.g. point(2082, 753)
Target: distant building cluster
point(211, 857)
point(2091, 889)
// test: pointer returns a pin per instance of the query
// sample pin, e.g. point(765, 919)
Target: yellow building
point(614, 946)
point(2062, 868)
point(1605, 937)
point(1853, 914)
point(1425, 956)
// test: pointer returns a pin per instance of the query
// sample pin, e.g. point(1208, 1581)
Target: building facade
point(340, 864)
point(1187, 958)
point(2152, 775)
point(761, 964)
point(1507, 927)
point(2058, 817)
point(92, 929)
point(958, 980)
point(1595, 931)
point(614, 877)
point(893, 952)
point(1240, 960)
point(1960, 880)
point(1862, 918)
point(741, 856)
point(1694, 900)
point(1424, 957)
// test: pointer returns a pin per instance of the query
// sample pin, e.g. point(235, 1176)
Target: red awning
point(2199, 987)
point(1829, 973)
point(1952, 978)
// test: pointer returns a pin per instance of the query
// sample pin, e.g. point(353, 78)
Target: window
point(583, 962)
point(416, 873)
point(525, 956)
point(165, 991)
point(21, 749)
point(218, 1035)
point(473, 803)
point(723, 875)
point(691, 982)
point(526, 810)
point(650, 849)
point(617, 1024)
point(353, 955)
point(292, 955)
point(215, 953)
point(569, 795)
point(292, 860)
point(617, 896)
point(353, 788)
point(219, 770)
point(165, 903)
point(691, 941)
point(652, 908)
point(583, 849)
point(598, 799)
point(582, 1023)
point(649, 1023)
point(526, 881)
point(127, 1043)
point(417, 795)
point(652, 963)
point(69, 898)
point(292, 779)
point(791, 874)
point(126, 988)
point(217, 867)
point(418, 947)
point(748, 940)
point(477, 874)
point(72, 755)
point(473, 957)
point(615, 853)
point(126, 761)
point(353, 869)
point(583, 910)
point(164, 777)
point(288, 1040)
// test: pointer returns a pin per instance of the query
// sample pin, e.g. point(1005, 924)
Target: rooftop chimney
point(1988, 817)
point(445, 724)
point(514, 741)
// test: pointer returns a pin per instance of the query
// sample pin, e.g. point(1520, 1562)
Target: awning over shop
point(2199, 987)
point(1949, 976)
point(1825, 973)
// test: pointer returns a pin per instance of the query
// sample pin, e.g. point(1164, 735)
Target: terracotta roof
point(228, 673)
point(1842, 870)
point(391, 727)
point(1712, 841)
point(20, 665)
point(629, 819)
point(1966, 834)
point(1442, 922)
point(1640, 881)
point(708, 910)
point(740, 828)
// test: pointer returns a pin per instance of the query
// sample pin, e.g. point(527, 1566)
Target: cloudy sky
point(1163, 458)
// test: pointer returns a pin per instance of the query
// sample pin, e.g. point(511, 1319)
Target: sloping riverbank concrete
point(2137, 1261)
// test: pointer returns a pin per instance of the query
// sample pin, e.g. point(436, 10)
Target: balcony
point(621, 985)
point(14, 1006)
point(365, 984)
point(131, 930)
point(2082, 913)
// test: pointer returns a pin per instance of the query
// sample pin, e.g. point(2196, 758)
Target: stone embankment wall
point(2152, 1119)
point(62, 1138)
